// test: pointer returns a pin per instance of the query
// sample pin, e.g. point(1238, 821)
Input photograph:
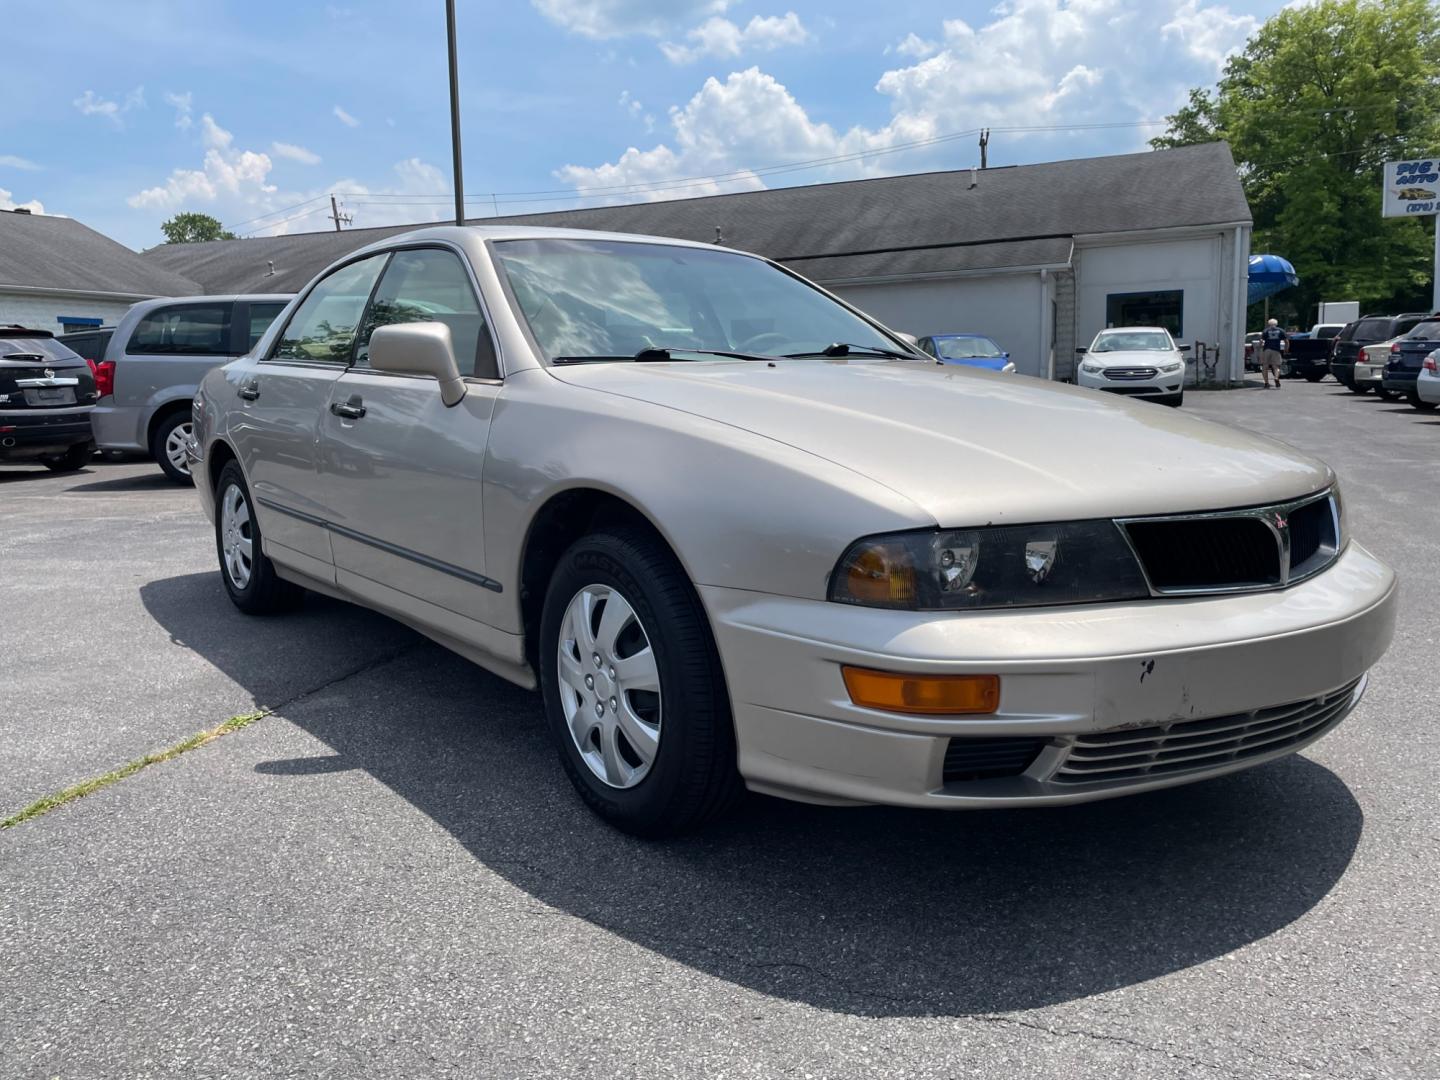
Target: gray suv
point(154, 362)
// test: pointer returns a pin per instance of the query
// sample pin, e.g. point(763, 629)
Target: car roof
point(15, 330)
point(1130, 329)
point(461, 233)
point(966, 335)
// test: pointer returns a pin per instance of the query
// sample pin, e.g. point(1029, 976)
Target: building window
point(1165, 309)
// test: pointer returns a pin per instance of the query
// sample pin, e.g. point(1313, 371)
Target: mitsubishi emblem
point(49, 373)
point(1281, 522)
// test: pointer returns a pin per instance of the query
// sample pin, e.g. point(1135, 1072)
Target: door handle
point(249, 391)
point(351, 410)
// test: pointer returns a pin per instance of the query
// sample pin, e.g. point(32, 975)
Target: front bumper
point(34, 433)
point(1160, 385)
point(1066, 674)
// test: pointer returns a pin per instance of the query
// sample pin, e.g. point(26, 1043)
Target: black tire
point(1386, 395)
point(693, 777)
point(1358, 388)
point(1314, 376)
point(177, 421)
point(1173, 400)
point(265, 592)
point(77, 457)
point(1415, 403)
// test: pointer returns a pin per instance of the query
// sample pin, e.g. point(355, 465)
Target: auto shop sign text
point(1412, 188)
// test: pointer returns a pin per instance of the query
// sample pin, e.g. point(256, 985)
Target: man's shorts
point(1270, 360)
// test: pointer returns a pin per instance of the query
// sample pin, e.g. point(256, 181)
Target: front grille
point(1207, 552)
point(1131, 373)
point(1193, 745)
point(1311, 528)
point(987, 758)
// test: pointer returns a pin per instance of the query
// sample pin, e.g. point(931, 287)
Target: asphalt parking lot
point(388, 875)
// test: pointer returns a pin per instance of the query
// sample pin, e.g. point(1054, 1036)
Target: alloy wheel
point(236, 536)
point(609, 686)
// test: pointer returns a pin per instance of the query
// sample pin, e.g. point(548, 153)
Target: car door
point(401, 469)
point(280, 398)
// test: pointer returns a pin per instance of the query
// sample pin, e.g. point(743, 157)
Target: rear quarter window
point(184, 330)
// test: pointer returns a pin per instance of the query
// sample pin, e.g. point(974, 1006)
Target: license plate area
point(50, 395)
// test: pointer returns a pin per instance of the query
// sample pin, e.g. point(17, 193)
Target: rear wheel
point(1314, 376)
point(1416, 403)
point(1386, 395)
point(77, 457)
point(1358, 388)
point(167, 446)
point(250, 578)
point(634, 694)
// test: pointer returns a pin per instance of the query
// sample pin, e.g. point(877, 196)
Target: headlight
point(1075, 562)
point(1170, 369)
point(1092, 369)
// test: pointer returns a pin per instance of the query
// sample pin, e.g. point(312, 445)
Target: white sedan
point(1137, 361)
point(1427, 386)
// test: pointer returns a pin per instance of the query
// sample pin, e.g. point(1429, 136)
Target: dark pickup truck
point(1309, 355)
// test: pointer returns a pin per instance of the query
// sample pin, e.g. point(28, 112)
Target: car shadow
point(868, 911)
point(20, 472)
point(156, 481)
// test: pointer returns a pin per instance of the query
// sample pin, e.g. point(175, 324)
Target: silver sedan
point(740, 535)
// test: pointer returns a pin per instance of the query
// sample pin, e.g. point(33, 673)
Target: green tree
point(191, 228)
point(1318, 100)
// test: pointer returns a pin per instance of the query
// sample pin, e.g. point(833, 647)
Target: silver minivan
point(154, 362)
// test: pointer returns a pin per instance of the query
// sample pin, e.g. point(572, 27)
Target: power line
point(272, 213)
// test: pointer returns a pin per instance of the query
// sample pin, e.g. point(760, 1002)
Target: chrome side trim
point(1275, 517)
point(387, 547)
point(53, 380)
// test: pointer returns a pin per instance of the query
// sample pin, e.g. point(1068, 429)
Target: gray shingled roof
point(1021, 215)
point(43, 252)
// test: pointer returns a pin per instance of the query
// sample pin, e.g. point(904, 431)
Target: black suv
point(47, 392)
point(1407, 357)
point(88, 343)
point(1367, 330)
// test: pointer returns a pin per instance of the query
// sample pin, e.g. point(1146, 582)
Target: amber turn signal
point(922, 695)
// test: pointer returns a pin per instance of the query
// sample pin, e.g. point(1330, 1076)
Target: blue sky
point(121, 114)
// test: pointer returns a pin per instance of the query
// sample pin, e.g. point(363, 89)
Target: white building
point(1039, 257)
point(58, 275)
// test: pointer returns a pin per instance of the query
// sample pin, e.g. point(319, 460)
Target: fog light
point(922, 695)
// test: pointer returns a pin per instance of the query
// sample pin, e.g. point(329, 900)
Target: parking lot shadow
point(868, 911)
point(156, 481)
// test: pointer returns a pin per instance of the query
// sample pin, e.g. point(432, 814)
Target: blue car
point(973, 350)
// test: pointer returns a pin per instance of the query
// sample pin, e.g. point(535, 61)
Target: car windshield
point(1426, 331)
point(1133, 341)
point(967, 348)
point(1325, 333)
point(610, 299)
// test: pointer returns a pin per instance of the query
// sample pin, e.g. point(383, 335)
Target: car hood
point(972, 447)
point(989, 363)
point(1144, 358)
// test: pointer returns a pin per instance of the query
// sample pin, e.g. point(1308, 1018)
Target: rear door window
point(183, 329)
point(1404, 326)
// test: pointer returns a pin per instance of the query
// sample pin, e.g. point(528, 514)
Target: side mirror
point(1184, 348)
point(1004, 356)
point(1082, 349)
point(419, 348)
point(911, 338)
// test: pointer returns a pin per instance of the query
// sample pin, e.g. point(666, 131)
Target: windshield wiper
point(658, 354)
point(842, 348)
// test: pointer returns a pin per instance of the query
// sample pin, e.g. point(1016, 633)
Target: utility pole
point(338, 217)
point(984, 145)
point(455, 112)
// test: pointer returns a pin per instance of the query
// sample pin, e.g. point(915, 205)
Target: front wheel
point(1173, 400)
point(77, 457)
point(249, 577)
point(167, 446)
point(634, 695)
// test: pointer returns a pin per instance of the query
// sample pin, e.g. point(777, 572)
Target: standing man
point(1273, 343)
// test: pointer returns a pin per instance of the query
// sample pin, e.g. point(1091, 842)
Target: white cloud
point(92, 104)
point(183, 104)
point(913, 45)
point(235, 185)
point(1212, 34)
point(723, 38)
point(345, 118)
point(11, 161)
point(7, 202)
point(1053, 65)
point(616, 18)
point(295, 153)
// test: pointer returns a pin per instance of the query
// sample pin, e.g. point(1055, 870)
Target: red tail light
point(1430, 364)
point(1395, 348)
point(104, 377)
